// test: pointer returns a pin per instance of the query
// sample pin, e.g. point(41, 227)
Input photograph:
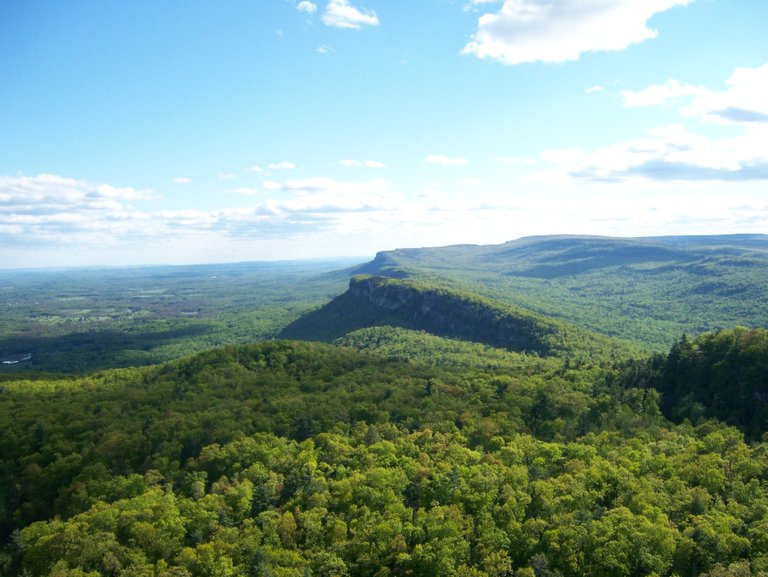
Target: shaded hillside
point(378, 301)
point(722, 375)
point(647, 290)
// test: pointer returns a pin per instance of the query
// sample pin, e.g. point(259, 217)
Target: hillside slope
point(721, 375)
point(646, 290)
point(378, 301)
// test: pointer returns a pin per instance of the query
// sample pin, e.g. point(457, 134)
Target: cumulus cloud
point(256, 169)
point(562, 30)
point(226, 176)
point(56, 191)
point(53, 211)
point(595, 88)
point(670, 92)
point(743, 101)
point(676, 152)
point(446, 160)
point(306, 6)
point(341, 14)
point(349, 163)
point(183, 180)
point(51, 207)
point(667, 153)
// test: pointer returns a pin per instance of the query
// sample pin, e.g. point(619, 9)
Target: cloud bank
point(53, 210)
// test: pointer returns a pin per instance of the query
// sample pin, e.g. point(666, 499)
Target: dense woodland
point(291, 458)
point(400, 449)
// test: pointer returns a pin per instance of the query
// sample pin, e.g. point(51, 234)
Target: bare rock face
point(373, 301)
point(451, 314)
point(379, 292)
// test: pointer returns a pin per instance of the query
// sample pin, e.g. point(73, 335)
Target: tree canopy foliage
point(721, 375)
point(452, 428)
point(295, 459)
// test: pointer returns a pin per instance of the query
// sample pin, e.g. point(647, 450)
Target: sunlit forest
point(436, 431)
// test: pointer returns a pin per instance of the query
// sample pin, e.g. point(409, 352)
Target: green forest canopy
point(296, 459)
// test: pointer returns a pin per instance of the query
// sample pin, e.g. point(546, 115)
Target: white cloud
point(561, 30)
point(306, 6)
point(226, 176)
point(743, 102)
point(348, 163)
point(322, 184)
point(472, 182)
point(50, 208)
point(325, 49)
point(446, 160)
point(676, 153)
point(182, 180)
point(284, 165)
point(595, 88)
point(341, 14)
point(256, 169)
point(56, 212)
point(670, 92)
point(671, 153)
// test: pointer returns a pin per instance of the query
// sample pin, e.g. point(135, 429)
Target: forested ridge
point(411, 304)
point(294, 459)
point(647, 290)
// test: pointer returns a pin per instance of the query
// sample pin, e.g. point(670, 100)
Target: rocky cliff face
point(374, 301)
point(383, 293)
point(453, 314)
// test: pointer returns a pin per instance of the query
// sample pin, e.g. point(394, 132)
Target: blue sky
point(198, 131)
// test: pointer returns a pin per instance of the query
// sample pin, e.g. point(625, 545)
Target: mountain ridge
point(648, 290)
point(442, 311)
